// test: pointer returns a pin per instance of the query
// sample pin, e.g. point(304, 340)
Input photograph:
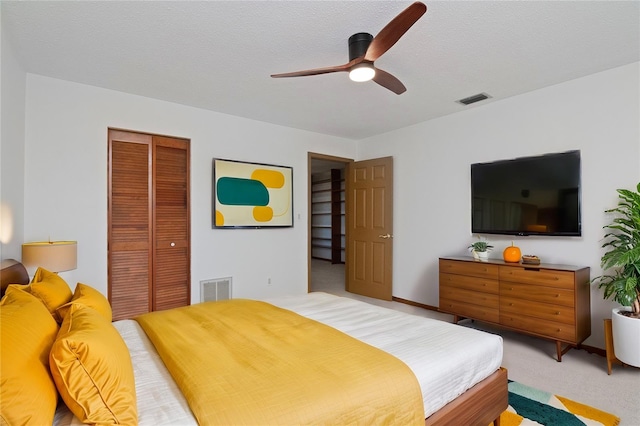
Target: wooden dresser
point(549, 301)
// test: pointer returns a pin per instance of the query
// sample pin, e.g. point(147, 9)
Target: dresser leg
point(561, 351)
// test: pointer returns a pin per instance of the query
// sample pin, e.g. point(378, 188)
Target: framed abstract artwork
point(251, 195)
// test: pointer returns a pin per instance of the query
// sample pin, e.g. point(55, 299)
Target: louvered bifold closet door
point(130, 235)
point(149, 244)
point(172, 280)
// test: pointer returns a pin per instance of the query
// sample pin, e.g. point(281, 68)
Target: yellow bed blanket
point(249, 362)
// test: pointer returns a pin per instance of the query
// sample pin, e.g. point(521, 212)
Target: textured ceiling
point(218, 55)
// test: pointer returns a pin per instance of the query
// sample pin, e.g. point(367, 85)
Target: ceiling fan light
point(360, 73)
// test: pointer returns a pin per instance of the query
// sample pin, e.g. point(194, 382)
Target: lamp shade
point(54, 256)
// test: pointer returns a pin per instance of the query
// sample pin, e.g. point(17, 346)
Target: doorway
point(358, 221)
point(327, 222)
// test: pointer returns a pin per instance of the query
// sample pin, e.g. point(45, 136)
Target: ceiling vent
point(473, 99)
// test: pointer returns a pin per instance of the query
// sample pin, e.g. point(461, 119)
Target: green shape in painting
point(241, 192)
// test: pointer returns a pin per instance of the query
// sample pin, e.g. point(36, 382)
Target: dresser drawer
point(469, 311)
point(553, 330)
point(485, 285)
point(555, 313)
point(467, 296)
point(544, 277)
point(474, 269)
point(538, 293)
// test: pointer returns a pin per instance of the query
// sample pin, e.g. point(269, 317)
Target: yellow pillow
point(92, 369)
point(28, 394)
point(51, 289)
point(88, 296)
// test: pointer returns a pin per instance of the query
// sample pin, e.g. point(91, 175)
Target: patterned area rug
point(529, 406)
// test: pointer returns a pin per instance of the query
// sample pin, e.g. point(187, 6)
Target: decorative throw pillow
point(28, 394)
point(92, 369)
point(51, 289)
point(88, 296)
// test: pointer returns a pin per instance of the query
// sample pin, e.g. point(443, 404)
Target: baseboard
point(412, 303)
point(589, 349)
point(593, 350)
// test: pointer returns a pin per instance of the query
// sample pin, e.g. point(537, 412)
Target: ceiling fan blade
point(316, 71)
point(388, 81)
point(395, 29)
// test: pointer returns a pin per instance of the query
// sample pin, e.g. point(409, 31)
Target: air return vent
point(473, 99)
point(215, 289)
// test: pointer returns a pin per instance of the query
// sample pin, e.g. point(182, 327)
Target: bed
point(456, 369)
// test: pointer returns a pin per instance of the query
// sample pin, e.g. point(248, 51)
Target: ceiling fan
point(364, 49)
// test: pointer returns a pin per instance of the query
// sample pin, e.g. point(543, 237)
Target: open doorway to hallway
point(327, 223)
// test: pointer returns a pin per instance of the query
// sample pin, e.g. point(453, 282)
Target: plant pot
point(626, 337)
point(480, 255)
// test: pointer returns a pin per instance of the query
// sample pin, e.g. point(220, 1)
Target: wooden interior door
point(148, 222)
point(370, 228)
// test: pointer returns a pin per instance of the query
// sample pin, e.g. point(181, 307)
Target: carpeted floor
point(529, 406)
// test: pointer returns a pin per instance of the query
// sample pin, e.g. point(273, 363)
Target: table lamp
point(54, 256)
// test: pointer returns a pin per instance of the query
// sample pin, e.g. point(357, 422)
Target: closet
point(148, 223)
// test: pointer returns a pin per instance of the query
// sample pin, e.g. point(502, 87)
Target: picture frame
point(251, 195)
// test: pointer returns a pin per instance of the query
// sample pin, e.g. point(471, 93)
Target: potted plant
point(622, 285)
point(480, 249)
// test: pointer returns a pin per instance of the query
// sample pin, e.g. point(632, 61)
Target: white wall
point(598, 115)
point(12, 95)
point(66, 182)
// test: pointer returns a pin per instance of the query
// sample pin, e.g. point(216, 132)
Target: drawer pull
point(558, 313)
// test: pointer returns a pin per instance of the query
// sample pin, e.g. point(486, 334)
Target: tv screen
point(527, 196)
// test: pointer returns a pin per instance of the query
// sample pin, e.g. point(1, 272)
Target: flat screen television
point(527, 196)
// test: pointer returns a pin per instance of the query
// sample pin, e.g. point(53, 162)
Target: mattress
point(447, 359)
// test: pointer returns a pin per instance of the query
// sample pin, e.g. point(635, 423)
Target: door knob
point(386, 236)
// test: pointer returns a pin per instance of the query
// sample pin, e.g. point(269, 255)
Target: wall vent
point(473, 99)
point(215, 289)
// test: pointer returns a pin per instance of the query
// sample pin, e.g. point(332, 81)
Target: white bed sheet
point(447, 359)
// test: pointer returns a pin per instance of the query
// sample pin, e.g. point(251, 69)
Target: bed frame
point(12, 272)
point(479, 406)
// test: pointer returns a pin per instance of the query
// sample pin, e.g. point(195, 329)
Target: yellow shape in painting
point(269, 178)
point(262, 214)
point(219, 218)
